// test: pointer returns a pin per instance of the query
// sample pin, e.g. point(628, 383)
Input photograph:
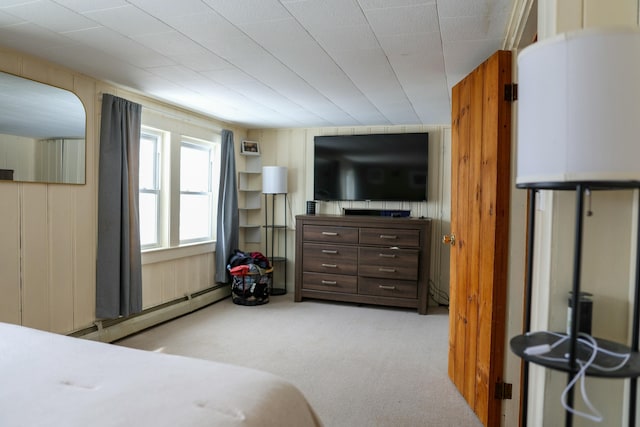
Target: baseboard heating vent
point(115, 329)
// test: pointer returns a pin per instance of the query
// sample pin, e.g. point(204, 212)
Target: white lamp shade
point(274, 179)
point(579, 108)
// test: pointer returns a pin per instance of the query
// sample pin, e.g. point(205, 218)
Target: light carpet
point(357, 365)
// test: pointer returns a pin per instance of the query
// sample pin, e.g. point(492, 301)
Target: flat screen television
point(376, 167)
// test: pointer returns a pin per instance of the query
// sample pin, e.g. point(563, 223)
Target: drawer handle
point(388, 236)
point(388, 288)
point(329, 251)
point(329, 233)
point(330, 265)
point(329, 282)
point(387, 270)
point(387, 255)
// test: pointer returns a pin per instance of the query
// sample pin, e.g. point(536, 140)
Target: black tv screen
point(380, 167)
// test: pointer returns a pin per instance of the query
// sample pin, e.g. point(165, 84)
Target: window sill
point(152, 256)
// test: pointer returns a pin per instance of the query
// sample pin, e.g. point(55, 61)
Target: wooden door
point(480, 187)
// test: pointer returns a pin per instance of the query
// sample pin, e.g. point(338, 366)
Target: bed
point(55, 380)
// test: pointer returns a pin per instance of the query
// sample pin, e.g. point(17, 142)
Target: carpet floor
point(357, 365)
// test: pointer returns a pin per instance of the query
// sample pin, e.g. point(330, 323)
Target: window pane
point(195, 216)
point(148, 206)
point(148, 158)
point(194, 169)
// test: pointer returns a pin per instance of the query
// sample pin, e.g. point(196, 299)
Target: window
point(179, 179)
point(149, 176)
point(199, 175)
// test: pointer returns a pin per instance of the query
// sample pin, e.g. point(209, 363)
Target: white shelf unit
point(250, 199)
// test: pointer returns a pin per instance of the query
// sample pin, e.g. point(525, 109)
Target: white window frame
point(213, 150)
point(157, 190)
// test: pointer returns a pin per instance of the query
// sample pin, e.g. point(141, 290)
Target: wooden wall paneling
point(205, 276)
point(169, 280)
point(86, 216)
point(199, 280)
point(35, 257)
point(10, 62)
point(186, 276)
point(193, 274)
point(61, 232)
point(152, 276)
point(211, 269)
point(10, 298)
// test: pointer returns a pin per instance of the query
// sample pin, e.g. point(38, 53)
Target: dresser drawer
point(321, 233)
point(390, 237)
point(332, 259)
point(388, 263)
point(330, 282)
point(388, 288)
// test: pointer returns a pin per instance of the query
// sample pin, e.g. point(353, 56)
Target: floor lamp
point(578, 129)
point(274, 182)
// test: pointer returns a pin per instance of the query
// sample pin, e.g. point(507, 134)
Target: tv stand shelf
point(363, 259)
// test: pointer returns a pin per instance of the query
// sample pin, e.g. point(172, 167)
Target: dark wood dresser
point(363, 259)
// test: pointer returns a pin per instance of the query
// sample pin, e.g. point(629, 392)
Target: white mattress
point(48, 379)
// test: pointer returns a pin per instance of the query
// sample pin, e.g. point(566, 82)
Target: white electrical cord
point(590, 342)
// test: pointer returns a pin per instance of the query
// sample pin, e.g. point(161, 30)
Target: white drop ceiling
point(271, 63)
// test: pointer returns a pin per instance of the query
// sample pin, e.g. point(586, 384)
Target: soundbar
point(395, 213)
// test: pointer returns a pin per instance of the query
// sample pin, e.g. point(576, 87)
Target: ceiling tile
point(51, 16)
point(105, 40)
point(405, 44)
point(384, 4)
point(403, 20)
point(28, 37)
point(472, 28)
point(7, 19)
point(460, 8)
point(170, 43)
point(200, 61)
point(169, 9)
point(82, 6)
point(247, 11)
point(271, 62)
point(229, 76)
point(209, 26)
point(359, 36)
point(177, 74)
point(324, 14)
point(128, 20)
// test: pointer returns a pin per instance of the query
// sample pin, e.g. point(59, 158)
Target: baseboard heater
point(113, 330)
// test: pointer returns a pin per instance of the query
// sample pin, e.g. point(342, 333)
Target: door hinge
point(503, 391)
point(511, 92)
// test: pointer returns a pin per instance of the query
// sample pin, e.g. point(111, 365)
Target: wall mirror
point(42, 132)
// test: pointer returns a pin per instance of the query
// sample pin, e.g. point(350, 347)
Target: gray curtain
point(118, 269)
point(227, 234)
